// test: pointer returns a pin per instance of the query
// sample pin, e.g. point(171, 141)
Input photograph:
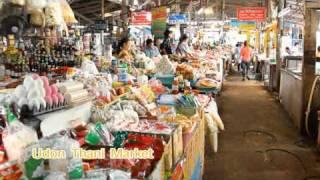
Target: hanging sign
point(141, 18)
point(244, 25)
point(251, 14)
point(177, 18)
point(100, 25)
point(159, 21)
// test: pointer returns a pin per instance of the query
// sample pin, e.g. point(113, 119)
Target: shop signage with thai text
point(177, 18)
point(141, 18)
point(251, 14)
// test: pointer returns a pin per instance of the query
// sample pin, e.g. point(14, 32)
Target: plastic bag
point(35, 5)
point(56, 176)
point(38, 18)
point(99, 134)
point(53, 13)
point(165, 66)
point(15, 141)
point(75, 169)
point(97, 174)
point(33, 167)
point(18, 2)
point(89, 67)
point(65, 144)
point(114, 174)
point(67, 13)
point(213, 131)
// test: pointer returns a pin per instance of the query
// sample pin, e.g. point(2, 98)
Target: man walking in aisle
point(245, 55)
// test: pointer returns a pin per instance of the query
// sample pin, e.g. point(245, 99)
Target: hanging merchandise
point(53, 13)
point(67, 12)
point(18, 2)
point(38, 18)
point(35, 5)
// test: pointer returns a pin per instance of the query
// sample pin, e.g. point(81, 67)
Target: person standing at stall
point(245, 55)
point(318, 52)
point(166, 46)
point(124, 50)
point(151, 50)
point(183, 47)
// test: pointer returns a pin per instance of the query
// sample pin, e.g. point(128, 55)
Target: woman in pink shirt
point(245, 55)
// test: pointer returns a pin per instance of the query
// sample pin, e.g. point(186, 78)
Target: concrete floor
point(260, 142)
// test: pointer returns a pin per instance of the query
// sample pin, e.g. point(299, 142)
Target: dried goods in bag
point(35, 5)
point(17, 2)
point(38, 18)
point(67, 13)
point(53, 13)
point(15, 141)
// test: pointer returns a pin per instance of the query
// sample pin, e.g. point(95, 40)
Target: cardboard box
point(177, 144)
point(158, 173)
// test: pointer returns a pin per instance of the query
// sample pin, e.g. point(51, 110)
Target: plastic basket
point(166, 80)
point(208, 90)
point(187, 111)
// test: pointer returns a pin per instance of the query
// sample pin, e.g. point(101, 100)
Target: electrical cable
point(309, 104)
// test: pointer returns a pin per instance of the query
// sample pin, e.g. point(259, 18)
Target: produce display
point(72, 113)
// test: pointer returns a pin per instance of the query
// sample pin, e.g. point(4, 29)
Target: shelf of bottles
point(43, 55)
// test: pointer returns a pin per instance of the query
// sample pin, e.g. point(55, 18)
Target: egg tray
point(26, 112)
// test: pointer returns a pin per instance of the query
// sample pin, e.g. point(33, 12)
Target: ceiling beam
point(82, 17)
point(83, 4)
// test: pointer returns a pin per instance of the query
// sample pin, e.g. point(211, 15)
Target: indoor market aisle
point(259, 142)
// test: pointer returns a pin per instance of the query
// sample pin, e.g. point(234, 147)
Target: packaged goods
point(56, 175)
point(89, 67)
point(73, 96)
point(35, 5)
point(53, 13)
point(70, 86)
point(38, 18)
point(67, 12)
point(165, 66)
point(18, 2)
point(14, 139)
point(33, 167)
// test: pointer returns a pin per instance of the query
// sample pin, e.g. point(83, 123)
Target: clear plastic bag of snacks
point(56, 175)
point(15, 141)
point(33, 166)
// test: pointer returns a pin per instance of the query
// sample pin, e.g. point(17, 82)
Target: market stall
point(291, 50)
point(71, 110)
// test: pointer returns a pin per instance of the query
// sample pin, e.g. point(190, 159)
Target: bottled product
point(175, 86)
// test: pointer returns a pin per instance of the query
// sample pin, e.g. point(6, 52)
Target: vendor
point(166, 46)
point(151, 51)
point(125, 50)
point(183, 47)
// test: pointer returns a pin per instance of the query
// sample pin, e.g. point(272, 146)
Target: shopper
point(183, 47)
point(166, 46)
point(318, 52)
point(287, 52)
point(237, 56)
point(245, 54)
point(296, 50)
point(151, 50)
point(125, 50)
